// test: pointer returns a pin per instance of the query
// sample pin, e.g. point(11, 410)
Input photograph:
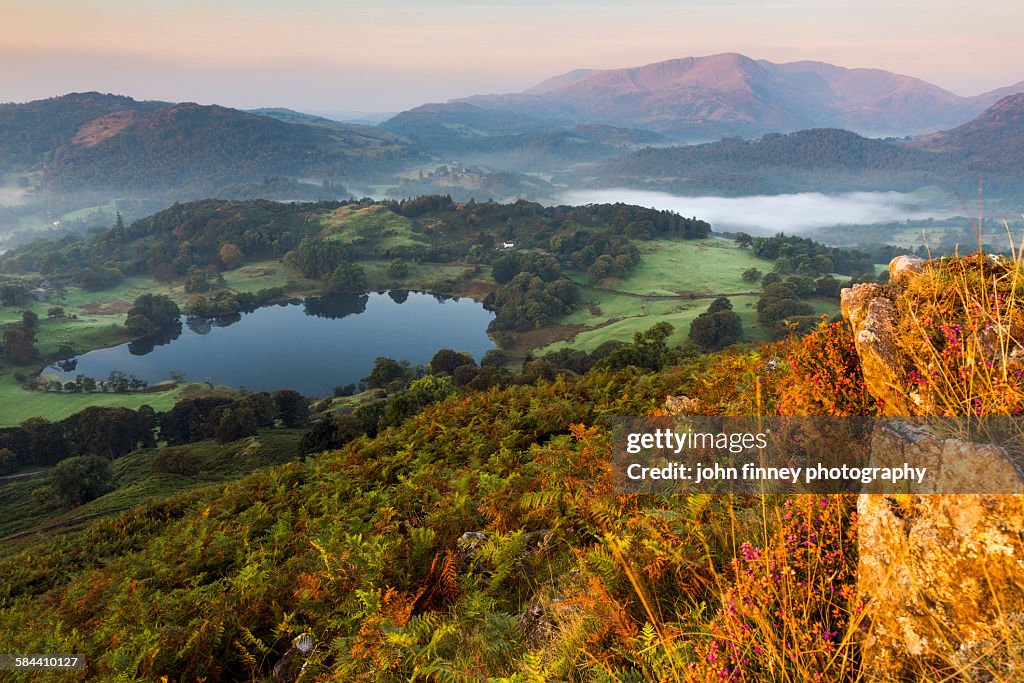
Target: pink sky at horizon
point(356, 55)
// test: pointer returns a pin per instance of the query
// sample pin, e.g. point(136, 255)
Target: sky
point(390, 55)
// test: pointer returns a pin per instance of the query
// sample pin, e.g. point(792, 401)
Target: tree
point(82, 478)
point(348, 277)
point(344, 390)
point(8, 461)
point(230, 255)
point(384, 372)
point(828, 286)
point(150, 314)
point(174, 460)
point(751, 275)
point(13, 294)
point(743, 240)
point(29, 320)
point(196, 280)
point(716, 328)
point(446, 361)
point(19, 348)
point(649, 350)
point(235, 423)
point(494, 358)
point(398, 269)
point(292, 408)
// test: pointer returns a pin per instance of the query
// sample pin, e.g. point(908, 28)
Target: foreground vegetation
point(478, 536)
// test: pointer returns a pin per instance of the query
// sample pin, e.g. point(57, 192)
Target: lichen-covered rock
point(954, 465)
point(943, 574)
point(682, 405)
point(873, 317)
point(904, 267)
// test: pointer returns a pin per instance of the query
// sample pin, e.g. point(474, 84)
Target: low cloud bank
point(770, 214)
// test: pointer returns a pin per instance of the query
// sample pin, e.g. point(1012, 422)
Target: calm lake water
point(311, 346)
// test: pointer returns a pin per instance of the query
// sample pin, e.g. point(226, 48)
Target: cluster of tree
point(150, 314)
point(14, 293)
point(116, 383)
point(169, 243)
point(328, 261)
point(110, 432)
point(528, 302)
point(19, 340)
point(804, 256)
point(227, 419)
point(199, 280)
point(227, 302)
point(716, 328)
point(784, 300)
point(114, 432)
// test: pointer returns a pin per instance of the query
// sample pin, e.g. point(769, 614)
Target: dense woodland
point(830, 160)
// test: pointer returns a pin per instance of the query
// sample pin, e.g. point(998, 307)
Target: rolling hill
point(993, 141)
point(989, 148)
point(104, 143)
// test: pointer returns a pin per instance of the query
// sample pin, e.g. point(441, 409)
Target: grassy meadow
point(679, 269)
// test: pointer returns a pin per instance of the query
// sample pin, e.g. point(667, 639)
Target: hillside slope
point(104, 143)
point(483, 538)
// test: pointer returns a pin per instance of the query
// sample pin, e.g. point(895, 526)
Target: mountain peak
point(705, 97)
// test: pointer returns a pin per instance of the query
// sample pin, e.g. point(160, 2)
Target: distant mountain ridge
point(703, 98)
point(989, 148)
point(99, 143)
point(993, 141)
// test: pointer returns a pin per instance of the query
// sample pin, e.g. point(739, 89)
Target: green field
point(707, 266)
point(674, 268)
point(18, 404)
point(258, 275)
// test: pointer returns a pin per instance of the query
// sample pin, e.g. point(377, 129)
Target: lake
point(310, 346)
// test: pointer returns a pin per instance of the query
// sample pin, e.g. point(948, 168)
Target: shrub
point(80, 479)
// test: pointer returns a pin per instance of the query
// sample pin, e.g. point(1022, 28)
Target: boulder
point(941, 566)
point(873, 318)
point(943, 576)
point(902, 268)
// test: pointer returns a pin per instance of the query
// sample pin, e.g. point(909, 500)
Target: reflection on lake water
point(311, 346)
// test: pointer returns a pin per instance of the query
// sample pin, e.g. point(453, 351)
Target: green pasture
point(706, 266)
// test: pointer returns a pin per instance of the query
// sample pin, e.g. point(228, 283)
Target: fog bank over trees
point(769, 214)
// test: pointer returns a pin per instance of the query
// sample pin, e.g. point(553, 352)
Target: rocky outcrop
point(955, 465)
point(873, 317)
point(941, 567)
point(942, 578)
